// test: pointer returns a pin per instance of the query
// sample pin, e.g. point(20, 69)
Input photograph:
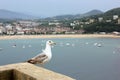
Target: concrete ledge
point(26, 71)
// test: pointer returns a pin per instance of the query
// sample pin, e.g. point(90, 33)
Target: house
point(28, 23)
point(10, 29)
point(59, 29)
point(20, 32)
point(119, 21)
point(53, 23)
point(10, 32)
point(27, 30)
point(76, 22)
point(1, 29)
point(115, 17)
point(87, 22)
point(72, 24)
point(100, 19)
point(116, 33)
point(91, 20)
point(108, 20)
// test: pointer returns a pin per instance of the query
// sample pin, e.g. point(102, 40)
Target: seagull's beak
point(53, 43)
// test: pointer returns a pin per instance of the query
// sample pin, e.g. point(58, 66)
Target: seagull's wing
point(40, 58)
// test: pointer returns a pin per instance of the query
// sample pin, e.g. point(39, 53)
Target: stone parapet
point(27, 71)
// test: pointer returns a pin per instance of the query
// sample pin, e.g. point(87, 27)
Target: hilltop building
point(115, 17)
point(119, 21)
point(53, 23)
point(100, 19)
point(91, 20)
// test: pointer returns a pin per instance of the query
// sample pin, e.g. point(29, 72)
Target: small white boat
point(95, 44)
point(14, 45)
point(86, 43)
point(23, 46)
point(99, 45)
point(67, 44)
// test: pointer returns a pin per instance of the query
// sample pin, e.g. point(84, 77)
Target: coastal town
point(32, 27)
point(59, 40)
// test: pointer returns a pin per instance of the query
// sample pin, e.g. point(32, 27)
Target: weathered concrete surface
point(6, 75)
point(26, 71)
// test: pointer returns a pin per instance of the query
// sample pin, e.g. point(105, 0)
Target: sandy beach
point(57, 36)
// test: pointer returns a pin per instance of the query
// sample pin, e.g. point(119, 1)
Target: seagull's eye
point(49, 41)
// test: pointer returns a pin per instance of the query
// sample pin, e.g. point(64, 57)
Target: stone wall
point(26, 71)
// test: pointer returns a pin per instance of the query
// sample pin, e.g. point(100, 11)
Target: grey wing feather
point(38, 59)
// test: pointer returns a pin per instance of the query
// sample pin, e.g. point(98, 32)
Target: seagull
point(45, 56)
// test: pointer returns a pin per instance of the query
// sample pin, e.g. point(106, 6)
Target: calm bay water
point(79, 58)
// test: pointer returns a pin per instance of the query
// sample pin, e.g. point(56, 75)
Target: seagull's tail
point(31, 61)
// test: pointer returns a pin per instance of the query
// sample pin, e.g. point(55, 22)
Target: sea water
point(79, 58)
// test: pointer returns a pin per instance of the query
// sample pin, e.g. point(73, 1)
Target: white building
point(100, 19)
point(92, 20)
point(20, 32)
point(10, 27)
point(18, 28)
point(116, 33)
point(115, 17)
point(53, 23)
point(72, 24)
point(10, 32)
point(29, 23)
point(2, 30)
point(109, 20)
point(119, 21)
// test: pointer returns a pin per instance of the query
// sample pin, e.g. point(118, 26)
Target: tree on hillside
point(102, 27)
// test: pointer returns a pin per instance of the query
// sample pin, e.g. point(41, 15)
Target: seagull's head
point(51, 43)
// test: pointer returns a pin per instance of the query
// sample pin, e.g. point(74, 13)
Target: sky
point(49, 8)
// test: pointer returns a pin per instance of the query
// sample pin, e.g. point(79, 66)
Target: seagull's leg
point(41, 65)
